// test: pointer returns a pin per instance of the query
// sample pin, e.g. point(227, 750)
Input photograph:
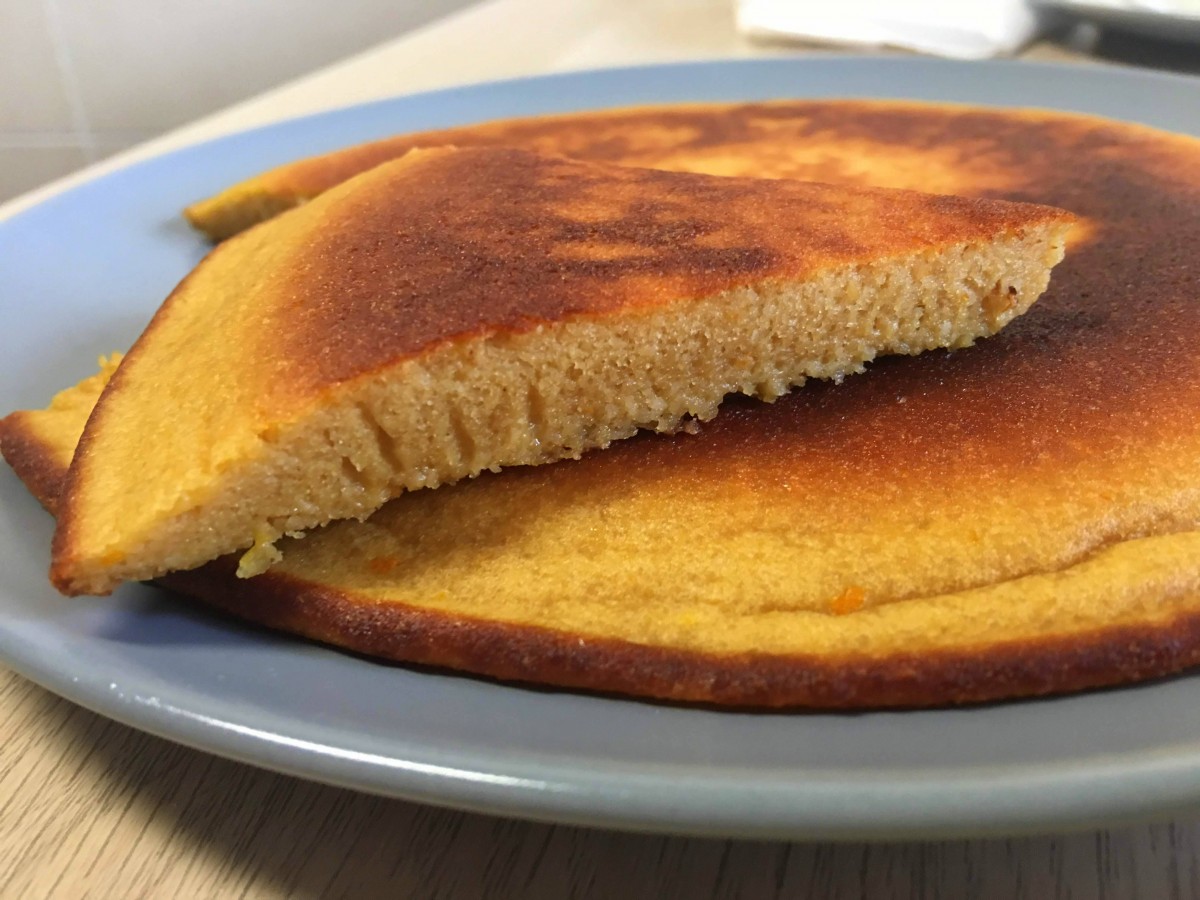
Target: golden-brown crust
point(62, 546)
point(813, 140)
point(30, 457)
point(522, 653)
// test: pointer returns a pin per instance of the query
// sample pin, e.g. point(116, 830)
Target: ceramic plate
point(81, 273)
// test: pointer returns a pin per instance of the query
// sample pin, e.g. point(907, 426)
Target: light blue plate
point(80, 275)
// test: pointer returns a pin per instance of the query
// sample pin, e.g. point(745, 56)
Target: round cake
point(1019, 518)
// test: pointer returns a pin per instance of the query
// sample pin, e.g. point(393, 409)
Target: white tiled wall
point(80, 79)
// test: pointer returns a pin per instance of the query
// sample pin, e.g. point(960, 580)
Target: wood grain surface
point(91, 808)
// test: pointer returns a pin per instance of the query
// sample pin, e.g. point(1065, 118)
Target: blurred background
point(82, 79)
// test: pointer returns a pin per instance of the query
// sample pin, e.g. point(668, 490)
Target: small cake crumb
point(260, 557)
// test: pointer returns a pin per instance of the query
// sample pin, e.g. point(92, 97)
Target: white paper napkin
point(967, 29)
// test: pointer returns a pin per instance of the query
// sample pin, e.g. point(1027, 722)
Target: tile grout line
point(66, 71)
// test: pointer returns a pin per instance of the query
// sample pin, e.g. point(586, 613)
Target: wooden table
point(92, 808)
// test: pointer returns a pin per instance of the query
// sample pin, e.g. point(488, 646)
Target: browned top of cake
point(454, 245)
point(941, 148)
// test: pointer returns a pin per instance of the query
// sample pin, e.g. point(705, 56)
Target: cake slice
point(458, 311)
